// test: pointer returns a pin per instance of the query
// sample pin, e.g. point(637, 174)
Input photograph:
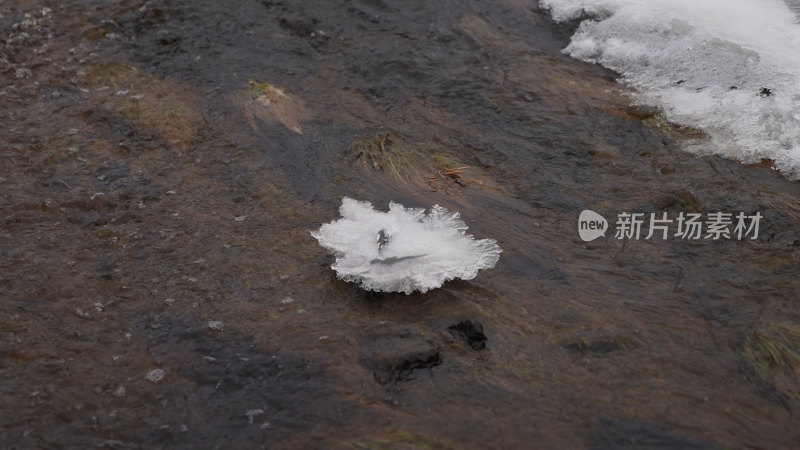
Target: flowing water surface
point(162, 164)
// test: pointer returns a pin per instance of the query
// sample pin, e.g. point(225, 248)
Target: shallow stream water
point(162, 164)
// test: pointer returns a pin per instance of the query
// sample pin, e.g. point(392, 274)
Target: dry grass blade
point(447, 179)
point(450, 176)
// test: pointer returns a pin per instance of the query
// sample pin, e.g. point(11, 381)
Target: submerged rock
point(155, 375)
point(394, 352)
point(619, 434)
point(469, 332)
point(404, 249)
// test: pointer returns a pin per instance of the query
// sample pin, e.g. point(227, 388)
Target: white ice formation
point(404, 249)
point(730, 68)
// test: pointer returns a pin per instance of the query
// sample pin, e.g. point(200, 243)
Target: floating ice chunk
point(404, 249)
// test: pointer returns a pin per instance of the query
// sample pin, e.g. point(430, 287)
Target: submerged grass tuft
point(264, 93)
point(772, 352)
point(415, 162)
point(269, 102)
point(387, 152)
point(775, 355)
point(786, 204)
point(259, 88)
point(659, 122)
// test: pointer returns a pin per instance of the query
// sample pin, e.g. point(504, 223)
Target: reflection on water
point(162, 164)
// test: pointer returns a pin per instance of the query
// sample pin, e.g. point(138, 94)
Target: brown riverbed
point(162, 163)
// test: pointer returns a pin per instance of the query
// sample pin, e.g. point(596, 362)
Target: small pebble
point(252, 413)
point(120, 392)
point(155, 375)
